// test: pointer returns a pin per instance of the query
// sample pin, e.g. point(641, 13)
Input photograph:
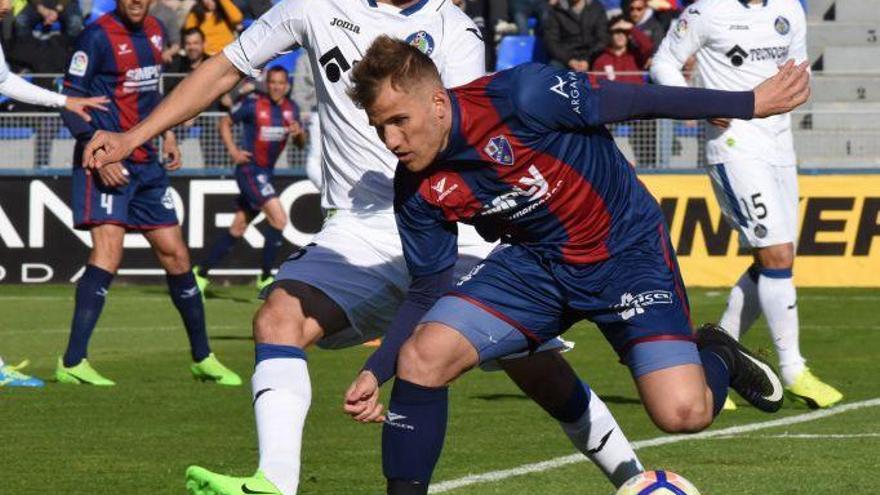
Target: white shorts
point(758, 200)
point(357, 261)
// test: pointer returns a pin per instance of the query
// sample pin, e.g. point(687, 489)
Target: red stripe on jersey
point(125, 57)
point(263, 118)
point(458, 200)
point(578, 208)
point(153, 29)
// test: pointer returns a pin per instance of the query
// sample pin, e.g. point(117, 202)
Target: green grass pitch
point(138, 437)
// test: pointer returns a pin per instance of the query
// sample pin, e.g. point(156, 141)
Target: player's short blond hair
point(390, 59)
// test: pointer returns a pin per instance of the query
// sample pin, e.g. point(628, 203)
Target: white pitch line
point(558, 462)
point(806, 436)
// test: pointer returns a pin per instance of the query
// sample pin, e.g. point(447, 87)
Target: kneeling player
point(524, 156)
point(269, 121)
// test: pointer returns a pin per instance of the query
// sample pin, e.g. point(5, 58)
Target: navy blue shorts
point(516, 299)
point(255, 187)
point(145, 203)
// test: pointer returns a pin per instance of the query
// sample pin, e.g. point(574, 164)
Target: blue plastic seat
point(16, 132)
point(99, 8)
point(516, 50)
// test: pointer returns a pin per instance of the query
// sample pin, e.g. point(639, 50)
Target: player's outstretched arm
point(193, 95)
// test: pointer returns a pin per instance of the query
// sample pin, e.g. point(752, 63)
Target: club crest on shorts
point(168, 200)
point(423, 41)
point(782, 25)
point(760, 231)
point(499, 149)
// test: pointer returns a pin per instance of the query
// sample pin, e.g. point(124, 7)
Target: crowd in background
point(609, 39)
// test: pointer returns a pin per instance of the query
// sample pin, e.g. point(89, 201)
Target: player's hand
point(113, 175)
point(295, 129)
point(81, 106)
point(240, 156)
point(785, 91)
point(362, 399)
point(171, 152)
point(720, 122)
point(106, 147)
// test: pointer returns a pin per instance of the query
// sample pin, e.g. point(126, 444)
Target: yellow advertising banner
point(838, 245)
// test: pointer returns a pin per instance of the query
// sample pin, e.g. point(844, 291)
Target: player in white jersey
point(752, 164)
point(346, 286)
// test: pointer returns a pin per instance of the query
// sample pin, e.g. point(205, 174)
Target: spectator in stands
point(209, 140)
point(218, 21)
point(193, 54)
point(46, 13)
point(625, 60)
point(643, 16)
point(575, 31)
point(166, 12)
point(626, 57)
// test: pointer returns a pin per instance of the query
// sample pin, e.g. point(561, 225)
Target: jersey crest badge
point(79, 63)
point(157, 41)
point(423, 41)
point(498, 148)
point(782, 25)
point(681, 28)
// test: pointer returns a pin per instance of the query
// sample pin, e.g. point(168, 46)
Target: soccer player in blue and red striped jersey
point(120, 56)
point(269, 121)
point(524, 156)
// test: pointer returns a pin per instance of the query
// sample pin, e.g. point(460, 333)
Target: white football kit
point(357, 258)
point(752, 163)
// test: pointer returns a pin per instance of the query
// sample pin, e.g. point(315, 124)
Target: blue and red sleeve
point(550, 99)
point(430, 247)
point(430, 242)
point(82, 68)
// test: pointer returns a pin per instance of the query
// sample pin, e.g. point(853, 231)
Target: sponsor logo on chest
point(347, 25)
point(273, 133)
point(141, 79)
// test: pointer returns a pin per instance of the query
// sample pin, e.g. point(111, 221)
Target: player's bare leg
point(677, 399)
point(91, 293)
point(294, 316)
point(173, 255)
point(549, 380)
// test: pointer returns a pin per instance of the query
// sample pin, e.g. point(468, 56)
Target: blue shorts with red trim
point(516, 300)
point(145, 203)
point(255, 187)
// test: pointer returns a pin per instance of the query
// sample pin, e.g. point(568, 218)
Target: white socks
point(779, 303)
point(282, 395)
point(743, 307)
point(601, 439)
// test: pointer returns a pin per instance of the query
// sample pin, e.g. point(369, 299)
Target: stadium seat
point(516, 50)
point(7, 133)
point(99, 8)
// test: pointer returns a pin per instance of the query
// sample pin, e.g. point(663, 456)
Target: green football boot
point(200, 481)
point(262, 283)
point(202, 282)
point(211, 369)
point(812, 391)
point(81, 373)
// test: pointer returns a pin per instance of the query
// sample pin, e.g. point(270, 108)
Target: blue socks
point(272, 242)
point(91, 292)
point(222, 245)
point(414, 430)
point(717, 377)
point(188, 301)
